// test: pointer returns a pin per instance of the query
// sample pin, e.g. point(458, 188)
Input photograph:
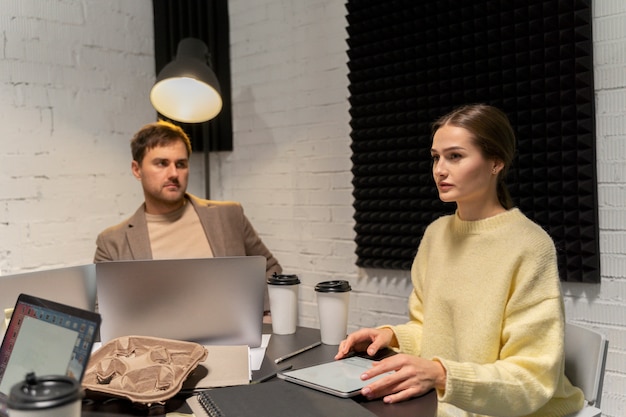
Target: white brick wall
point(74, 82)
point(603, 307)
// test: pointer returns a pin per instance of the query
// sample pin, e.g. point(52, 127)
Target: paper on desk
point(257, 354)
point(224, 366)
point(5, 321)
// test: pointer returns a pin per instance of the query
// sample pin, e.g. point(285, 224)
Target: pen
point(297, 352)
point(271, 375)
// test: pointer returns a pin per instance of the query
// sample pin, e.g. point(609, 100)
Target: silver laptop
point(74, 286)
point(209, 301)
point(47, 338)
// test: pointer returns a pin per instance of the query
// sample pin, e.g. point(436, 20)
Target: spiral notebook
point(275, 398)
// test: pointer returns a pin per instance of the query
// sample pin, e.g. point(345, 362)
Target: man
point(172, 223)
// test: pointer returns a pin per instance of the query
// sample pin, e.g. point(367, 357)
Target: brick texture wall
point(74, 82)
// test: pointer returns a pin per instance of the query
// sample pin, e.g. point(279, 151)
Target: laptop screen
point(47, 338)
point(211, 301)
point(74, 286)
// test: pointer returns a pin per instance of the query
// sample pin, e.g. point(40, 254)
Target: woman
point(486, 313)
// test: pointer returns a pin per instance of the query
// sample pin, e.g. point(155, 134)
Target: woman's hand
point(413, 376)
point(365, 340)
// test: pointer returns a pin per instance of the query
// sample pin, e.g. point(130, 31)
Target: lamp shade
point(186, 89)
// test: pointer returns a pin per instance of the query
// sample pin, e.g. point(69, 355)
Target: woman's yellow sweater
point(487, 304)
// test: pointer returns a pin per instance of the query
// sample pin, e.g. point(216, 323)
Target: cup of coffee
point(45, 396)
point(283, 294)
point(333, 299)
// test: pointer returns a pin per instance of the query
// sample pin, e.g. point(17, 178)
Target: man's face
point(163, 172)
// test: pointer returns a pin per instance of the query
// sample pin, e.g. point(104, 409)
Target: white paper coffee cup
point(283, 294)
point(333, 300)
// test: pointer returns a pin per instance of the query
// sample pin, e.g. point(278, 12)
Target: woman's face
point(461, 173)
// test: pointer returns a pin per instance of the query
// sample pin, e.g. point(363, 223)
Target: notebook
point(74, 286)
point(47, 338)
point(210, 301)
point(275, 398)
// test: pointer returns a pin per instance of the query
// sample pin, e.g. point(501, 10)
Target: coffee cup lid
point(333, 286)
point(277, 279)
point(36, 393)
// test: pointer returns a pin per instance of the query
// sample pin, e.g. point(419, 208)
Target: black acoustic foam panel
point(411, 62)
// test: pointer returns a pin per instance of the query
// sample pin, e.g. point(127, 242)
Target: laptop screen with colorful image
point(47, 338)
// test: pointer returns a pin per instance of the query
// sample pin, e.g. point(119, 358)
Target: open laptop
point(74, 286)
point(47, 338)
point(211, 301)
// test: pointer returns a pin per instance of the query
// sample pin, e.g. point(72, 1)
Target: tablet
point(341, 378)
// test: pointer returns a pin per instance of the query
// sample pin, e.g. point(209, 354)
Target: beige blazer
point(228, 231)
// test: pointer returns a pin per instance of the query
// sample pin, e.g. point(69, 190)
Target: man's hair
point(155, 134)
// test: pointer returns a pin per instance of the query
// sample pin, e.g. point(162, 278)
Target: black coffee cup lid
point(277, 279)
point(333, 286)
point(37, 393)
